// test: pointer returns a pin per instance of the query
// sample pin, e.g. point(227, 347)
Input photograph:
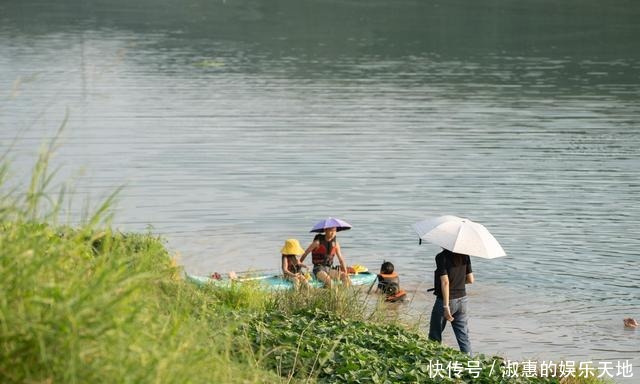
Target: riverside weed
point(89, 304)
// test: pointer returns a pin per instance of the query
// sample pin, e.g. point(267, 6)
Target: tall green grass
point(345, 303)
point(73, 311)
point(89, 304)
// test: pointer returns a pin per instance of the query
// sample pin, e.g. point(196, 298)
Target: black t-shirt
point(456, 266)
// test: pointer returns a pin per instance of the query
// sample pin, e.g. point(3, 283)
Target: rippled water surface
point(236, 125)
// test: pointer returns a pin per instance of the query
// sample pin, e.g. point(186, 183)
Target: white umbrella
point(459, 235)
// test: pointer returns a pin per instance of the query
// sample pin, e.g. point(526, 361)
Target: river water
point(234, 125)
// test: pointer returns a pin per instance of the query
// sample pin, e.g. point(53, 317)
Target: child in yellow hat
point(291, 265)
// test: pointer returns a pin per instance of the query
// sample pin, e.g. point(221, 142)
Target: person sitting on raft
point(389, 283)
point(324, 248)
point(291, 266)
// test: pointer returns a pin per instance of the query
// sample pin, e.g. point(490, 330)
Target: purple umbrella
point(330, 222)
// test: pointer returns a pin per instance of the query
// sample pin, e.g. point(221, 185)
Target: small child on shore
point(291, 265)
point(389, 283)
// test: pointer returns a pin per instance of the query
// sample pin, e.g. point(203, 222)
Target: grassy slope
point(75, 309)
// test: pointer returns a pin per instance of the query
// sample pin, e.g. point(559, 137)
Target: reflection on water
point(230, 140)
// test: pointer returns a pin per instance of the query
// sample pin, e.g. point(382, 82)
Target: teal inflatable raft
point(275, 282)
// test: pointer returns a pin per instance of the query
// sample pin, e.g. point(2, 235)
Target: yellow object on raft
point(357, 268)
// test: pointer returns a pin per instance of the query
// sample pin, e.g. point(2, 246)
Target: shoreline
point(267, 334)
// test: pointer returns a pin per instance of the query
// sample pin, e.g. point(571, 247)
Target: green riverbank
point(80, 306)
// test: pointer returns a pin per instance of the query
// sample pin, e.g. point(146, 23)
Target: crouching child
point(389, 283)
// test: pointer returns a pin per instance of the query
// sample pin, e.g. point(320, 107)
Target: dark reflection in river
point(237, 124)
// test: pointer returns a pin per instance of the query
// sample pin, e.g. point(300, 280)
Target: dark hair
point(387, 268)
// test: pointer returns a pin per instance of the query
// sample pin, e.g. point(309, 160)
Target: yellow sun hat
point(292, 247)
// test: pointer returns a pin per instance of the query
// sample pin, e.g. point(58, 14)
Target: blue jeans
point(458, 308)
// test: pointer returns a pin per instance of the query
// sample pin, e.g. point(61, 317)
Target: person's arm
point(469, 278)
point(343, 265)
point(444, 284)
point(310, 248)
point(469, 271)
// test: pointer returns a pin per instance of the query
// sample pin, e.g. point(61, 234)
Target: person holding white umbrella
point(453, 272)
point(458, 238)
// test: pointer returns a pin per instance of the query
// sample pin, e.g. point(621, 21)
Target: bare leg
point(302, 282)
point(295, 281)
point(325, 278)
point(343, 277)
point(346, 281)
